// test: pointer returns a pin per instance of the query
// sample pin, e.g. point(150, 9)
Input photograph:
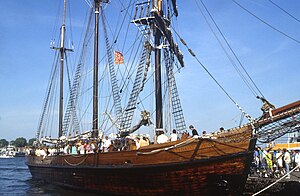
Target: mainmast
point(95, 79)
point(157, 5)
point(62, 58)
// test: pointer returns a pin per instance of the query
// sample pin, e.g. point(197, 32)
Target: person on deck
point(185, 135)
point(222, 130)
point(80, 148)
point(144, 142)
point(67, 149)
point(174, 136)
point(137, 142)
point(73, 149)
point(194, 131)
point(106, 143)
point(162, 138)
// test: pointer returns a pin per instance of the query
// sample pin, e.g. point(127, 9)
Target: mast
point(61, 80)
point(157, 5)
point(95, 79)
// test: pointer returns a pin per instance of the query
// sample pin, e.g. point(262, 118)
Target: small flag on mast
point(119, 59)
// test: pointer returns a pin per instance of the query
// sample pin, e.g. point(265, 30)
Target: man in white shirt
point(287, 161)
point(106, 144)
point(162, 138)
point(173, 136)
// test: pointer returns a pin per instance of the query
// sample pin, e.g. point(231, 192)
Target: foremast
point(157, 7)
point(62, 58)
point(62, 51)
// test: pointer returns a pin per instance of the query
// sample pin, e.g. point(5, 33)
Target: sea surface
point(15, 179)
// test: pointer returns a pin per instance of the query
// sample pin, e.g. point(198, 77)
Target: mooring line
point(275, 181)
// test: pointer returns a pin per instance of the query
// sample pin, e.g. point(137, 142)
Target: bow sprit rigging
point(278, 122)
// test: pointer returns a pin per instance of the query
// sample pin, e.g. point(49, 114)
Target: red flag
point(119, 59)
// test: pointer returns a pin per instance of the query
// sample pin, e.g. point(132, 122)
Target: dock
point(283, 187)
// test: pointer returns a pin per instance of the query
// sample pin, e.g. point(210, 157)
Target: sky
point(271, 58)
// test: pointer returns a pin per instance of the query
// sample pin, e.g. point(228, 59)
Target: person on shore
point(297, 160)
point(194, 131)
point(279, 159)
point(269, 160)
point(287, 161)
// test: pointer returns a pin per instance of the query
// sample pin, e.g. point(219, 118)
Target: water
point(15, 179)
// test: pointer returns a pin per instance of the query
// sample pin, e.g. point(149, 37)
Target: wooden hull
point(209, 168)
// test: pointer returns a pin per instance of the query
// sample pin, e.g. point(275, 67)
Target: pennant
point(119, 59)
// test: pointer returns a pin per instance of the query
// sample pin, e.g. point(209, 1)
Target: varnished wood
point(280, 113)
point(202, 166)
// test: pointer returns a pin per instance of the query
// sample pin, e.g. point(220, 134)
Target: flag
point(119, 59)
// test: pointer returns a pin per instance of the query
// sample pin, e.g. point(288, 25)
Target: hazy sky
point(271, 58)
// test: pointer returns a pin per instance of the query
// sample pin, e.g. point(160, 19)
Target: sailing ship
point(217, 163)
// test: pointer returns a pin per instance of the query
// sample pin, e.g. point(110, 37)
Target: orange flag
point(119, 59)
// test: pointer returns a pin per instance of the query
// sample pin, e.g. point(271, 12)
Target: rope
point(181, 144)
point(280, 124)
point(284, 11)
point(264, 22)
point(215, 80)
point(77, 156)
point(246, 81)
point(76, 164)
point(275, 181)
point(184, 143)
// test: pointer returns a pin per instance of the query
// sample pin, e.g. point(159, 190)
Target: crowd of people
point(88, 146)
point(105, 144)
point(274, 163)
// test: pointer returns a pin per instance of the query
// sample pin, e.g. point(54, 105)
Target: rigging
point(244, 77)
point(213, 78)
point(264, 22)
point(285, 11)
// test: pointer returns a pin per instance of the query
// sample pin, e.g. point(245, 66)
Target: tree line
point(18, 142)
